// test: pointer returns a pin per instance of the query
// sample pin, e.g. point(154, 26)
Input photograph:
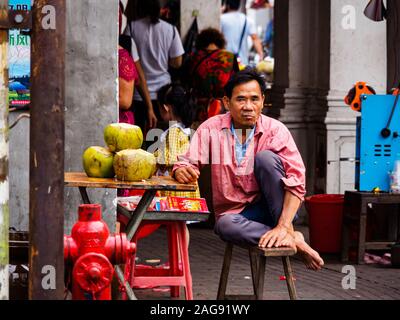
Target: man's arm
point(257, 45)
point(176, 62)
point(274, 237)
point(187, 168)
point(291, 204)
point(186, 175)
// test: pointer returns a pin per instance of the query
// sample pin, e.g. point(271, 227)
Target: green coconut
point(120, 136)
point(134, 165)
point(98, 162)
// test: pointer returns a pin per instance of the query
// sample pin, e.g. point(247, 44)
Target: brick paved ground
point(206, 255)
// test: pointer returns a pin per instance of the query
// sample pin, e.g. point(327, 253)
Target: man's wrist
point(285, 225)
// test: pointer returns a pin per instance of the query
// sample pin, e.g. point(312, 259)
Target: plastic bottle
point(395, 178)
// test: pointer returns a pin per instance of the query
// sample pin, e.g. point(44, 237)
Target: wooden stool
point(257, 262)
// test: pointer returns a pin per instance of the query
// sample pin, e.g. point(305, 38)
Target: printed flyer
point(19, 61)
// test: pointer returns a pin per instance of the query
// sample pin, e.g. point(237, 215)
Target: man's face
point(246, 104)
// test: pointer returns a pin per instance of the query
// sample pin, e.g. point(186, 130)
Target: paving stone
point(206, 252)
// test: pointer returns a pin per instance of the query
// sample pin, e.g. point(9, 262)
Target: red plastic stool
point(144, 230)
point(176, 275)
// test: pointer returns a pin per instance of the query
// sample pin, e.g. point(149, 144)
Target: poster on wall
point(19, 62)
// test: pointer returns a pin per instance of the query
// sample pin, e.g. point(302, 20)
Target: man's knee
point(267, 161)
point(228, 226)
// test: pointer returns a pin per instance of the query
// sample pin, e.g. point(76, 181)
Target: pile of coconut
point(122, 158)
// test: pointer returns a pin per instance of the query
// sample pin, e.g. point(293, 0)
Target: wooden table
point(151, 186)
point(355, 213)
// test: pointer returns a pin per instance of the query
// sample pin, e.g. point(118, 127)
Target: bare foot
point(310, 257)
point(289, 241)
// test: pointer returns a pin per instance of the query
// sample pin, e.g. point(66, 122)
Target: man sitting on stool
point(257, 173)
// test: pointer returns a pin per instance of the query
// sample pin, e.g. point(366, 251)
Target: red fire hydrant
point(92, 252)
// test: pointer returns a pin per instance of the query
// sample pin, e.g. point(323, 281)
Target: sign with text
point(19, 61)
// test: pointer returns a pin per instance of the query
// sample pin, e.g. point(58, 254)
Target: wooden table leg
point(138, 214)
point(260, 277)
point(223, 281)
point(345, 240)
point(361, 237)
point(362, 231)
point(129, 291)
point(254, 269)
point(84, 195)
point(289, 278)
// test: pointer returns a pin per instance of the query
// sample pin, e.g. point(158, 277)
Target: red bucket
point(325, 212)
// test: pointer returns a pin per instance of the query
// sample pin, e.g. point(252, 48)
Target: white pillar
point(358, 53)
point(322, 48)
point(294, 71)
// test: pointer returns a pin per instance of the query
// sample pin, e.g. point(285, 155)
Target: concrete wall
point(91, 104)
point(209, 14)
point(91, 92)
point(19, 173)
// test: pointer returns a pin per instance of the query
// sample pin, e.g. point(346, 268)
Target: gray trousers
point(256, 219)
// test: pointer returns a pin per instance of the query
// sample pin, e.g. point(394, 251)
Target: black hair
point(170, 12)
point(208, 36)
point(233, 4)
point(244, 76)
point(181, 101)
point(145, 9)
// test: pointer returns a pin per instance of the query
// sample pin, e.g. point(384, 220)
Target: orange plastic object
point(353, 98)
point(143, 231)
point(214, 108)
point(396, 91)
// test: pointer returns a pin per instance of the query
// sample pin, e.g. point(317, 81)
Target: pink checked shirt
point(234, 185)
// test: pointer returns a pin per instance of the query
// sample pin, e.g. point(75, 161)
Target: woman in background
point(128, 77)
point(128, 44)
point(207, 72)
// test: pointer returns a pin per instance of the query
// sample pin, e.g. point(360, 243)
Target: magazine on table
point(169, 203)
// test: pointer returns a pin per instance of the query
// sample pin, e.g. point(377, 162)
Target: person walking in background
point(208, 70)
point(159, 46)
point(236, 27)
point(129, 45)
point(128, 77)
point(269, 38)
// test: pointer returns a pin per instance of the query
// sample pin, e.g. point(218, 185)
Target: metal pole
point(46, 216)
point(4, 150)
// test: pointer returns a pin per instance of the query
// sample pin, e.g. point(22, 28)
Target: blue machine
point(377, 142)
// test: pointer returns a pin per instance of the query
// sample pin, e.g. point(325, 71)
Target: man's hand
point(186, 175)
point(277, 237)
